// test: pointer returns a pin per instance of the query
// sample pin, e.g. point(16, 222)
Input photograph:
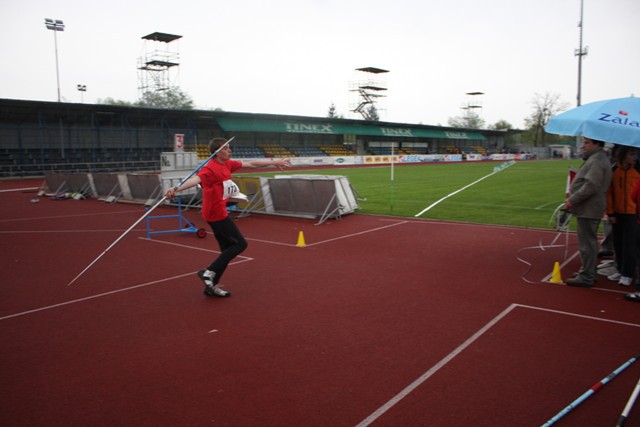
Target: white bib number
point(230, 188)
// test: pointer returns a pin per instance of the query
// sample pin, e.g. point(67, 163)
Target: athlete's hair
point(216, 143)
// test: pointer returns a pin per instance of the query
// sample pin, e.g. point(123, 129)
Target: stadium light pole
point(55, 25)
point(82, 89)
point(580, 52)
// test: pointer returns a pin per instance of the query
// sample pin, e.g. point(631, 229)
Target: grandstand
point(336, 150)
point(38, 137)
point(275, 150)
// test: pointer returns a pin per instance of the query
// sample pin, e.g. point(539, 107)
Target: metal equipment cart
point(184, 225)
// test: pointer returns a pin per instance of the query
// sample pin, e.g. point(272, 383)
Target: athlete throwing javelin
point(217, 190)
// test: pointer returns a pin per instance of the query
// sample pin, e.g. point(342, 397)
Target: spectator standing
point(587, 201)
point(622, 213)
point(635, 195)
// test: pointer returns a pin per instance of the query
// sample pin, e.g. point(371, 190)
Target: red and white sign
point(178, 140)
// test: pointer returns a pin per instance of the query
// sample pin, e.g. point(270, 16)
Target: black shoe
point(634, 296)
point(210, 289)
point(208, 281)
point(578, 283)
point(214, 291)
point(605, 253)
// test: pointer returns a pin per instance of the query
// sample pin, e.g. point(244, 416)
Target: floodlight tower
point(55, 25)
point(368, 89)
point(82, 89)
point(158, 65)
point(580, 52)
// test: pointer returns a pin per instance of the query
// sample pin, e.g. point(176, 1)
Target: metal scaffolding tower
point(474, 102)
point(368, 89)
point(158, 65)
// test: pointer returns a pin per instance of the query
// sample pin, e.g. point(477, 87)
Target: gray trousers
point(588, 247)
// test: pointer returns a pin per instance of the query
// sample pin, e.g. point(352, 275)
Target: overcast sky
point(298, 57)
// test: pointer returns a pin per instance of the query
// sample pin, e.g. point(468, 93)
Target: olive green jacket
point(588, 193)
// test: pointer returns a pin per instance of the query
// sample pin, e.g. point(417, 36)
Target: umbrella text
point(618, 120)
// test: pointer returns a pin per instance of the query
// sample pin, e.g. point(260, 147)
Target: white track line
point(104, 294)
point(271, 242)
point(461, 189)
point(582, 316)
point(246, 258)
point(19, 189)
point(64, 231)
point(346, 236)
point(67, 216)
point(397, 398)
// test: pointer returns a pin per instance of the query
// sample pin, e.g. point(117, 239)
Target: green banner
point(295, 126)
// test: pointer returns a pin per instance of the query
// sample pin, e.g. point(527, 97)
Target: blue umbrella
point(612, 120)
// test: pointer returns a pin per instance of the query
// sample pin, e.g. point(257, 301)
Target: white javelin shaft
point(149, 211)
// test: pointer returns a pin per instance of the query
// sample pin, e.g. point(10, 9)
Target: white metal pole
point(55, 42)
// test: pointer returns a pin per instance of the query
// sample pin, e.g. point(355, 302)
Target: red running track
point(377, 321)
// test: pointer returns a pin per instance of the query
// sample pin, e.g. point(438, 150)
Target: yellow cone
point(555, 276)
point(301, 242)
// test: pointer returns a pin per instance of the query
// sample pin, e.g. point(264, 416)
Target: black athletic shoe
point(578, 282)
point(208, 281)
point(210, 289)
point(216, 292)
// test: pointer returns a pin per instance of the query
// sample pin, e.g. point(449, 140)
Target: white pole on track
point(629, 405)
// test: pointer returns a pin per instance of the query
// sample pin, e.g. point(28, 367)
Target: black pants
point(231, 243)
point(624, 242)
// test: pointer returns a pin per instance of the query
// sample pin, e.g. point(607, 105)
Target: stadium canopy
point(336, 127)
point(43, 113)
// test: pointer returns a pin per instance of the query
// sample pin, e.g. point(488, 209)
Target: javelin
point(597, 386)
point(627, 408)
point(150, 210)
point(495, 171)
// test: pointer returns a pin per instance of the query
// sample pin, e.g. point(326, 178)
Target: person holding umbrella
point(587, 201)
point(613, 120)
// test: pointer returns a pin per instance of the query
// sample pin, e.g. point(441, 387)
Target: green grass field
point(524, 194)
